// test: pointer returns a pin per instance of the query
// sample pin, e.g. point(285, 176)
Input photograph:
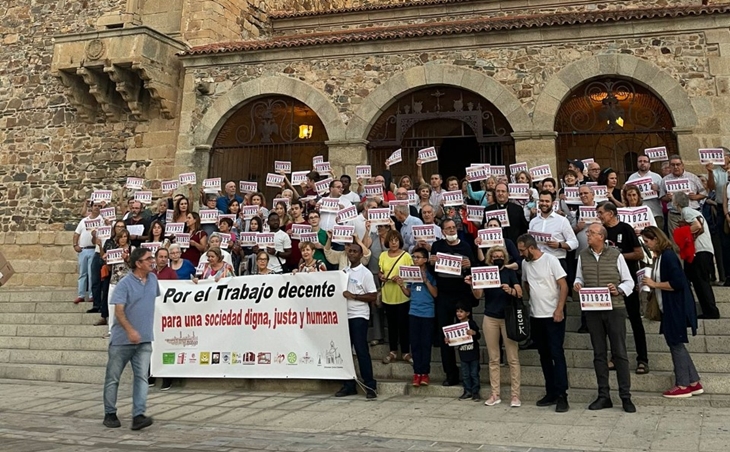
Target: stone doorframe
point(663, 85)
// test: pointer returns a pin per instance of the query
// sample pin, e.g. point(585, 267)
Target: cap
point(577, 163)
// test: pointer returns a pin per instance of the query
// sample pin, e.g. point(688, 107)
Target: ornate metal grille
point(456, 122)
point(261, 132)
point(612, 121)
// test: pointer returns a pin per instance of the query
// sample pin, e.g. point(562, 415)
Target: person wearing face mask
point(452, 290)
point(544, 285)
point(495, 304)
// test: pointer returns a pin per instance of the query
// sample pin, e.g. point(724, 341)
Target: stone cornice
point(119, 33)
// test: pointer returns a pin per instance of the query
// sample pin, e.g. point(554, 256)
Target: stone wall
point(208, 21)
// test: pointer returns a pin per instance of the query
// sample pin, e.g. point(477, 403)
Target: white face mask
point(451, 238)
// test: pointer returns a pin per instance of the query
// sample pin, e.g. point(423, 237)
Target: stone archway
point(437, 74)
point(663, 85)
point(226, 105)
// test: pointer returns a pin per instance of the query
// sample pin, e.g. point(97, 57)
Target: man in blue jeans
point(131, 338)
point(361, 291)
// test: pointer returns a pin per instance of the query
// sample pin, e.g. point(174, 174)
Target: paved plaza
point(47, 416)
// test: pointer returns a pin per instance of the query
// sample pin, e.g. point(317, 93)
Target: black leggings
point(398, 326)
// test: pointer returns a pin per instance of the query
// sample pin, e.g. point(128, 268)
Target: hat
point(578, 164)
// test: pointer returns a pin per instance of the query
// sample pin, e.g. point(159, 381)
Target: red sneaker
point(78, 300)
point(697, 389)
point(416, 380)
point(678, 393)
point(425, 380)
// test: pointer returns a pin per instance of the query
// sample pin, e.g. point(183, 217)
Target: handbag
point(651, 308)
point(105, 271)
point(517, 320)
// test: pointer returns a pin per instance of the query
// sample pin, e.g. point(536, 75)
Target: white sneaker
point(493, 400)
point(515, 403)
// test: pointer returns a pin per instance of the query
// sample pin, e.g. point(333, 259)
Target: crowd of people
point(555, 242)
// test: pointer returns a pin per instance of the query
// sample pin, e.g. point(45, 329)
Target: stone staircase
point(44, 336)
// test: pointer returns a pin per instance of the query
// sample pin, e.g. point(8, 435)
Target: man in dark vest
point(600, 266)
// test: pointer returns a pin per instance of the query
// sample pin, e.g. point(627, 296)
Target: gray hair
point(216, 234)
point(405, 210)
point(680, 199)
point(175, 246)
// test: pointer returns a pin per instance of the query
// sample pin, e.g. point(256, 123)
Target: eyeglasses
point(675, 164)
point(148, 259)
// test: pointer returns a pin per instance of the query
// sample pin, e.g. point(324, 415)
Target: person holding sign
point(437, 192)
point(644, 170)
point(421, 316)
point(282, 245)
point(198, 239)
point(543, 281)
point(84, 247)
point(677, 306)
point(138, 226)
point(117, 269)
point(469, 355)
point(223, 201)
point(328, 219)
point(517, 222)
point(397, 304)
point(509, 245)
point(603, 266)
point(407, 221)
point(360, 293)
point(495, 304)
point(562, 238)
point(699, 266)
point(215, 267)
point(308, 263)
point(182, 267)
point(609, 178)
point(452, 290)
point(685, 179)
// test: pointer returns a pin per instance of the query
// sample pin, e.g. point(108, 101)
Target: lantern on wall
point(305, 131)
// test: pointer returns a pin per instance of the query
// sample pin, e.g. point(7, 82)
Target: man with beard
point(562, 238)
point(452, 290)
point(642, 162)
point(517, 221)
point(543, 280)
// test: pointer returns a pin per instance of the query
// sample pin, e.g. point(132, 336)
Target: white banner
point(292, 326)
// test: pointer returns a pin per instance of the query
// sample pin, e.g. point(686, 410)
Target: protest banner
point(187, 178)
point(145, 197)
point(500, 214)
point(453, 198)
point(317, 159)
point(588, 214)
point(424, 232)
point(169, 215)
point(265, 239)
point(174, 228)
point(151, 246)
point(449, 264)
point(254, 327)
point(395, 203)
point(485, 277)
point(309, 237)
point(347, 214)
point(299, 177)
point(519, 191)
point(248, 212)
point(322, 187)
point(298, 229)
point(274, 180)
point(638, 217)
point(395, 157)
point(412, 198)
point(490, 237)
point(168, 186)
point(674, 185)
point(331, 205)
point(91, 224)
point(714, 156)
point(208, 216)
point(103, 232)
point(541, 237)
point(410, 274)
point(247, 238)
point(108, 213)
point(379, 216)
point(517, 167)
point(323, 168)
point(134, 183)
point(658, 154)
point(282, 167)
point(212, 185)
point(475, 213)
point(572, 195)
point(101, 196)
point(600, 193)
point(115, 256)
point(373, 190)
point(498, 170)
point(541, 172)
point(428, 155)
point(645, 186)
point(183, 239)
point(342, 233)
point(363, 172)
point(248, 187)
point(477, 173)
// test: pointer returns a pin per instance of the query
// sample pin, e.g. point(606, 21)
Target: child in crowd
point(421, 317)
point(469, 355)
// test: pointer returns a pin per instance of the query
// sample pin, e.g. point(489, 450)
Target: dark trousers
point(549, 337)
point(104, 308)
point(698, 272)
point(421, 330)
point(612, 324)
point(445, 315)
point(398, 321)
point(633, 308)
point(470, 376)
point(572, 263)
point(725, 245)
point(685, 371)
point(359, 340)
point(717, 239)
point(95, 277)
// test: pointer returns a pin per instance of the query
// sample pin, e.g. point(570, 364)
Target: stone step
point(57, 318)
point(573, 309)
point(578, 398)
point(580, 378)
point(77, 331)
point(54, 343)
point(38, 294)
point(60, 357)
point(26, 307)
point(60, 373)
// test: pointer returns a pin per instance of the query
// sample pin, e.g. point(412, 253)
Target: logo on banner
point(291, 358)
point(306, 359)
point(264, 358)
point(249, 358)
point(190, 340)
point(204, 358)
point(215, 358)
point(168, 358)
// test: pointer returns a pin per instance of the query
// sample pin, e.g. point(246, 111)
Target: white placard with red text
point(638, 217)
point(115, 256)
point(323, 168)
point(248, 212)
point(572, 195)
point(658, 154)
point(281, 166)
point(247, 238)
point(134, 183)
point(322, 187)
point(588, 214)
point(145, 197)
point(490, 237)
point(395, 157)
point(519, 191)
point(675, 185)
point(103, 232)
point(395, 203)
point(541, 237)
point(517, 167)
point(168, 186)
point(265, 239)
point(714, 156)
point(187, 178)
point(595, 299)
point(248, 187)
point(298, 229)
point(254, 327)
point(541, 172)
point(448, 263)
point(309, 237)
point(412, 198)
point(457, 334)
point(331, 205)
point(453, 198)
point(299, 177)
point(373, 190)
point(209, 216)
point(347, 214)
point(477, 173)
point(475, 213)
point(174, 228)
point(212, 185)
point(274, 180)
point(317, 159)
point(183, 239)
point(427, 155)
point(500, 214)
point(363, 172)
point(498, 170)
point(379, 216)
point(101, 196)
point(424, 232)
point(152, 246)
point(645, 186)
point(410, 274)
point(342, 233)
point(600, 193)
point(485, 277)
point(108, 213)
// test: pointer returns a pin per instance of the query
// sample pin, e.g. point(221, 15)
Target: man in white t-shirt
point(282, 245)
point(84, 247)
point(644, 166)
point(544, 284)
point(361, 291)
point(351, 196)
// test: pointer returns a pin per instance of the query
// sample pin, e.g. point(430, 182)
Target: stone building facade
point(93, 92)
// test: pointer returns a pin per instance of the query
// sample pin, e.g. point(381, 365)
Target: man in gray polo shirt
point(131, 338)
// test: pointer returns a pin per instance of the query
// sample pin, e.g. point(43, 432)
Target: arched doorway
point(263, 131)
point(612, 120)
point(464, 128)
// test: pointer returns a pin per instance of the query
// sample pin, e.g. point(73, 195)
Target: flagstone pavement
point(43, 416)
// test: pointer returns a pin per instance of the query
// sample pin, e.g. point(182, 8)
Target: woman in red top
point(198, 239)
